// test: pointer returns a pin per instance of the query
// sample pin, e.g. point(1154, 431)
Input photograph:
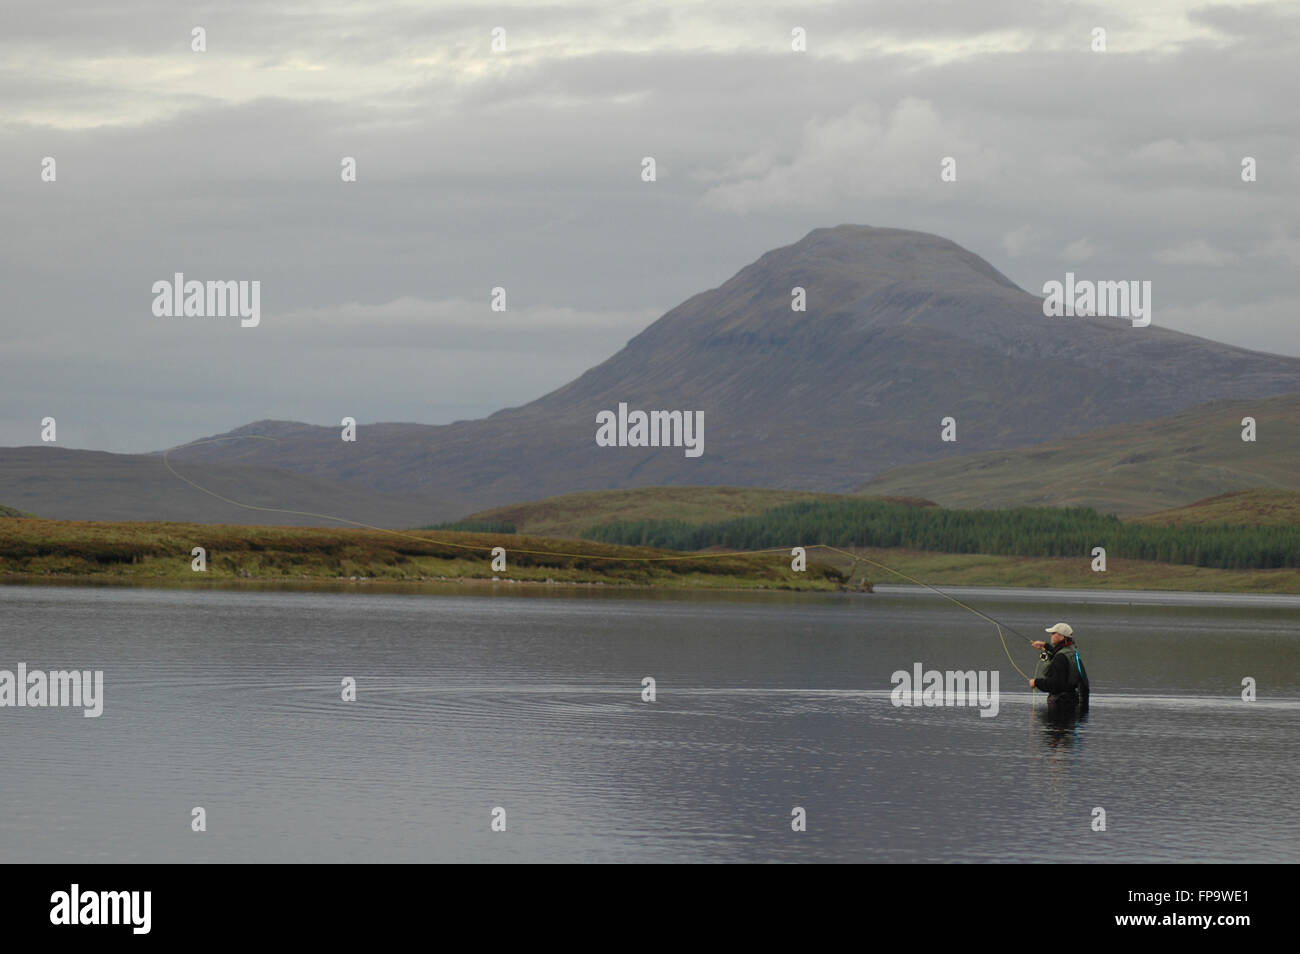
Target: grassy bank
point(160, 552)
point(38, 549)
point(973, 569)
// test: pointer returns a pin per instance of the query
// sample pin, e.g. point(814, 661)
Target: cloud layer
point(521, 169)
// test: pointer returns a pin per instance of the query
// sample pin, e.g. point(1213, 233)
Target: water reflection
point(1060, 724)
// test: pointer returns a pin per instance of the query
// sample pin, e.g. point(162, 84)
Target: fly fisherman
point(1060, 672)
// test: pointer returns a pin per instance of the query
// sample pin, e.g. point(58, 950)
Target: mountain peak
point(899, 330)
point(891, 254)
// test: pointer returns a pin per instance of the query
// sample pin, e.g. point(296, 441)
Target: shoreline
point(428, 584)
point(506, 586)
point(41, 552)
point(1104, 597)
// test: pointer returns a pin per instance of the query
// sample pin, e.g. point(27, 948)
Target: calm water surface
point(531, 701)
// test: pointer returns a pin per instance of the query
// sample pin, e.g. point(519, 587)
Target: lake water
point(530, 700)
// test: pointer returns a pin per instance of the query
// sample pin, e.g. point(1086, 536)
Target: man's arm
point(1056, 678)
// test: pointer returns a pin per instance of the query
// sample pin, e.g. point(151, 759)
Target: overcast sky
point(522, 169)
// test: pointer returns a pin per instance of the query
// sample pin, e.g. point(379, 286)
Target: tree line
point(1023, 531)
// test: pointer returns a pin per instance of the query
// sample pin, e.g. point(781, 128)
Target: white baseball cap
point(1065, 629)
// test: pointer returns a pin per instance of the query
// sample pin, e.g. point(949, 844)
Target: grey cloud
point(528, 177)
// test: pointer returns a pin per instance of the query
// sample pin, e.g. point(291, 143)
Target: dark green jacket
point(1064, 671)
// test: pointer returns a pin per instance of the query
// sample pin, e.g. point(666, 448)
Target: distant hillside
point(901, 330)
point(1129, 470)
point(64, 484)
point(1243, 508)
point(571, 514)
point(11, 512)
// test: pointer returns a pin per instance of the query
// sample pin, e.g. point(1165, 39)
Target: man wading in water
point(1060, 671)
